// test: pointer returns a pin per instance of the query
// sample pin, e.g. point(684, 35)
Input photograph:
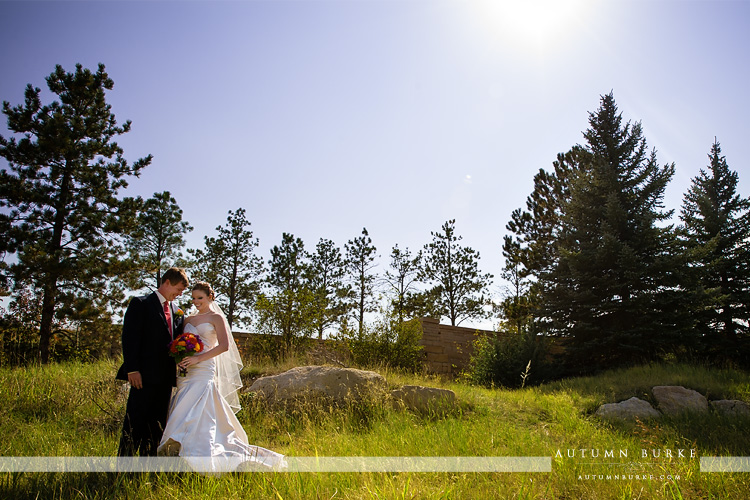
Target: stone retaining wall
point(447, 349)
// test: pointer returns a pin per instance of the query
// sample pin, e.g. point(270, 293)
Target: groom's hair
point(175, 275)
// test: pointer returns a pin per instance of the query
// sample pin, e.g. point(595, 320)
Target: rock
point(631, 409)
point(731, 407)
point(675, 399)
point(423, 399)
point(324, 382)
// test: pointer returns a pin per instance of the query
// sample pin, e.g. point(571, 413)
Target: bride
point(202, 426)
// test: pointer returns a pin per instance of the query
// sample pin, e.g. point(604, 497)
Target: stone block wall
point(447, 349)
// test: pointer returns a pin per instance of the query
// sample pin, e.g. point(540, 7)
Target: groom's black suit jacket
point(145, 342)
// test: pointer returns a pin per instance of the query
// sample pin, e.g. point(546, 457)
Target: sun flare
point(532, 21)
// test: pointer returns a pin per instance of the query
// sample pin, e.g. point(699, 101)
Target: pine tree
point(288, 306)
point(717, 236)
point(458, 285)
point(615, 289)
point(157, 239)
point(227, 262)
point(401, 279)
point(64, 220)
point(360, 262)
point(326, 274)
point(518, 303)
point(531, 250)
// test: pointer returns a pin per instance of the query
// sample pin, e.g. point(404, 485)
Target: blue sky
point(320, 117)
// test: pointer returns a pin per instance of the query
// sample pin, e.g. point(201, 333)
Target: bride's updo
point(205, 288)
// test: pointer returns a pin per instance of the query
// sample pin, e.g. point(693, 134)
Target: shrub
point(19, 342)
point(509, 360)
point(386, 342)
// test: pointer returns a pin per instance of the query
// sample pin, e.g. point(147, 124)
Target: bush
point(509, 360)
point(386, 342)
point(287, 321)
point(19, 342)
point(86, 341)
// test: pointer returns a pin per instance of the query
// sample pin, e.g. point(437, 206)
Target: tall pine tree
point(716, 224)
point(531, 250)
point(401, 280)
point(228, 262)
point(64, 219)
point(459, 287)
point(288, 306)
point(157, 240)
point(360, 263)
point(615, 289)
point(326, 274)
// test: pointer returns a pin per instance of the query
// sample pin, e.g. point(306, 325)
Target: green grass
point(74, 409)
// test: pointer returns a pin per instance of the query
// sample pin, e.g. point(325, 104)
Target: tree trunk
point(361, 309)
point(50, 286)
point(45, 329)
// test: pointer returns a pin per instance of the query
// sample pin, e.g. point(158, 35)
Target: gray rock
point(319, 382)
point(675, 399)
point(731, 407)
point(423, 399)
point(631, 409)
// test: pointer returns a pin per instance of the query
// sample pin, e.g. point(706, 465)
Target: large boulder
point(319, 382)
point(731, 407)
point(675, 399)
point(632, 409)
point(423, 399)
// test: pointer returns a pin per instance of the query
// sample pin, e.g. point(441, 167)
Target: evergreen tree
point(360, 262)
point(157, 239)
point(289, 307)
point(531, 250)
point(459, 287)
point(615, 287)
point(401, 280)
point(63, 218)
point(227, 262)
point(717, 235)
point(518, 303)
point(326, 280)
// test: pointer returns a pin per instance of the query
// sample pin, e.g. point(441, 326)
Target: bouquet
point(183, 346)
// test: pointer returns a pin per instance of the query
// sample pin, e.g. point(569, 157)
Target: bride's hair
point(206, 288)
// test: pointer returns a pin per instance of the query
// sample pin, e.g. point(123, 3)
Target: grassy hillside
point(75, 410)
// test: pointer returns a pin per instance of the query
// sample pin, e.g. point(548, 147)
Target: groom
point(149, 326)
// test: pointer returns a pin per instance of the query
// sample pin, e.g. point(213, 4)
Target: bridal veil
point(228, 366)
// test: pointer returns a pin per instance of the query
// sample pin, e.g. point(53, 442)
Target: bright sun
point(532, 21)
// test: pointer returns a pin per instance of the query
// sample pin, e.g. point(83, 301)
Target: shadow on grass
point(98, 486)
point(621, 384)
point(131, 485)
point(710, 433)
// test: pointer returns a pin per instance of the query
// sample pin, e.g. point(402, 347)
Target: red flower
point(183, 346)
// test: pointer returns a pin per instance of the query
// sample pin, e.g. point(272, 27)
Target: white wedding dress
point(202, 427)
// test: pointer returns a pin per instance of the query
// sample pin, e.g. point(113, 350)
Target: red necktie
point(169, 318)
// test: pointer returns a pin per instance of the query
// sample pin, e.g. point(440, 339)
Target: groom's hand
point(135, 380)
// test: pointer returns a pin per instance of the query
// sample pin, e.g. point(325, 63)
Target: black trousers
point(145, 419)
